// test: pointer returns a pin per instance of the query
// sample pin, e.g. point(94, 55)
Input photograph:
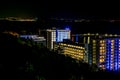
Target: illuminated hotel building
point(90, 44)
point(109, 53)
point(103, 50)
point(73, 50)
point(57, 35)
point(39, 40)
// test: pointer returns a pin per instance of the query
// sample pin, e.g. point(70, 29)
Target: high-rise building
point(57, 35)
point(109, 53)
point(103, 50)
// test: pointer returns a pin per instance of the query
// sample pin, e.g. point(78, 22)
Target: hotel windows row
point(72, 46)
point(73, 53)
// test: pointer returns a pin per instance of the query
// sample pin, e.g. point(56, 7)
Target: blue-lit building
point(110, 54)
point(102, 50)
point(57, 35)
point(39, 40)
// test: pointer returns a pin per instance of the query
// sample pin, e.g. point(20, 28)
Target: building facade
point(102, 50)
point(57, 35)
point(109, 57)
point(39, 40)
point(76, 51)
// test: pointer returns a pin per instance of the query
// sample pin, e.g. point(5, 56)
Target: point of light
point(67, 27)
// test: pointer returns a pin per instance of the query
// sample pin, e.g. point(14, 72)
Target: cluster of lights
point(12, 33)
point(72, 46)
point(105, 49)
point(109, 54)
point(102, 54)
point(113, 54)
point(73, 51)
point(58, 35)
point(94, 52)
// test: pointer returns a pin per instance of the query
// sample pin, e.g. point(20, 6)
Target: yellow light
point(94, 41)
point(110, 35)
point(106, 34)
point(115, 35)
point(101, 60)
point(88, 33)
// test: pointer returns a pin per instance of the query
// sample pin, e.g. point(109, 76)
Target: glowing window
point(112, 40)
point(94, 41)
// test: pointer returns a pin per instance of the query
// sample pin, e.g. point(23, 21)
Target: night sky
point(59, 8)
point(17, 9)
point(68, 9)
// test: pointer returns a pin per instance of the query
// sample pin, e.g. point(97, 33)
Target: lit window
point(112, 40)
point(112, 46)
point(101, 41)
point(101, 60)
point(100, 47)
point(94, 41)
point(112, 50)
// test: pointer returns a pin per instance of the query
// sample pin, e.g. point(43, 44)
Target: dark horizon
point(76, 27)
point(45, 10)
point(68, 9)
